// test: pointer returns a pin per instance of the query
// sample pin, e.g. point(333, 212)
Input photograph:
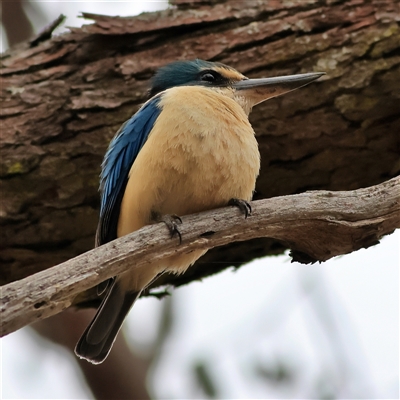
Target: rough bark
point(316, 225)
point(64, 98)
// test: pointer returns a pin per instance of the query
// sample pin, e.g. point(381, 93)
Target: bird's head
point(226, 80)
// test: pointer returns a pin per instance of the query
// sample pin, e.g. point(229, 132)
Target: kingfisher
point(188, 149)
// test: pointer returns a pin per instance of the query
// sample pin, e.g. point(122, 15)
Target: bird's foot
point(243, 206)
point(173, 221)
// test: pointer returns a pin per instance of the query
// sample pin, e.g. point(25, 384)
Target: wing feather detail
point(120, 156)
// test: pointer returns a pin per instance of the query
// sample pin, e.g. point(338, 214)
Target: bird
point(189, 148)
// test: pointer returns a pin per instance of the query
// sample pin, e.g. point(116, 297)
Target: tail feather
point(99, 336)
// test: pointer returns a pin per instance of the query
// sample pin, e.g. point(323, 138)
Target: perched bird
point(189, 148)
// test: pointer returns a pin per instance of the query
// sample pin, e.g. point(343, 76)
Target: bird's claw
point(173, 221)
point(243, 205)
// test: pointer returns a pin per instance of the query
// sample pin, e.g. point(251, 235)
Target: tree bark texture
point(64, 98)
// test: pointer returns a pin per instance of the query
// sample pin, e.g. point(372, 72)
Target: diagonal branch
point(315, 225)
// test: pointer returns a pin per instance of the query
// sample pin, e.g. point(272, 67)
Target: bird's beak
point(258, 90)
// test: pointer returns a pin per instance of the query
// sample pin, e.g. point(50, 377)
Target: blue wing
point(117, 163)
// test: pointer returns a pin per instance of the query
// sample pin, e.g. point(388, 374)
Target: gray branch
point(316, 225)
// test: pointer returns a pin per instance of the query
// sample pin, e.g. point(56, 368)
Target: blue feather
point(120, 156)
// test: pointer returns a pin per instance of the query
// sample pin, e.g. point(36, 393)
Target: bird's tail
point(99, 336)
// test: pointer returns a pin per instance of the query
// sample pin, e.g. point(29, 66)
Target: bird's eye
point(208, 77)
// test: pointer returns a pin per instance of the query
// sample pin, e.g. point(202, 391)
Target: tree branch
point(316, 225)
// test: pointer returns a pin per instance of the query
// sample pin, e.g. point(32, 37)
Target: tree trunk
point(64, 98)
